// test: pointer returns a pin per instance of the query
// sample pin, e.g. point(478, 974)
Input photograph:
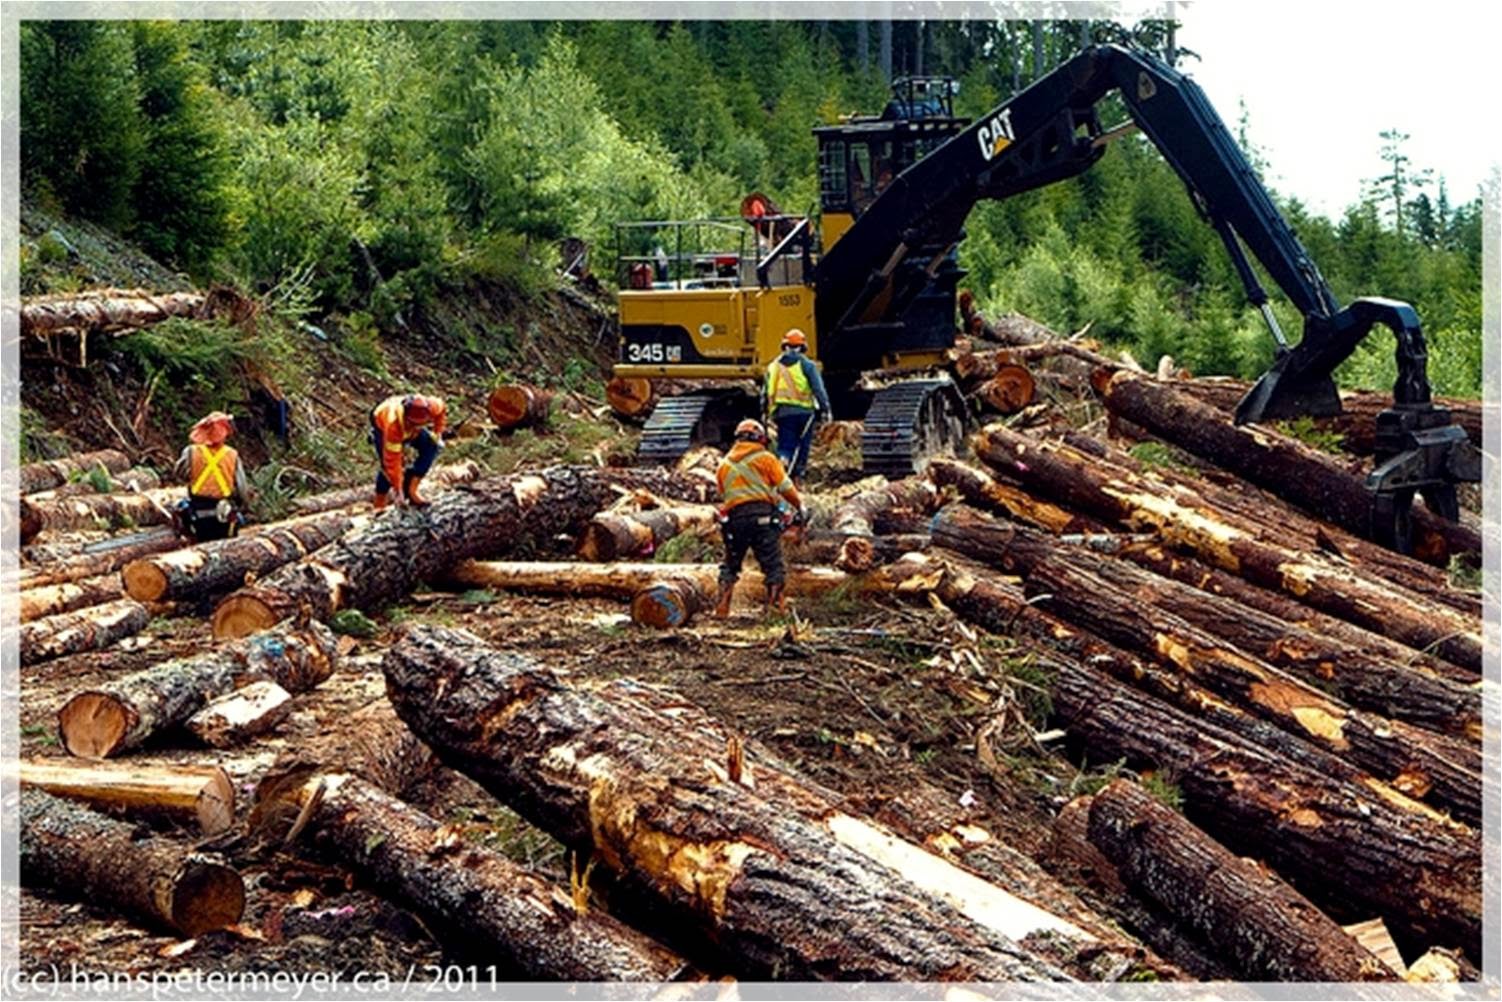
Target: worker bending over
point(395, 423)
point(793, 397)
point(217, 489)
point(752, 483)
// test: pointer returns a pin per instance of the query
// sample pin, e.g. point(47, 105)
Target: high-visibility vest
point(744, 483)
point(212, 471)
point(788, 384)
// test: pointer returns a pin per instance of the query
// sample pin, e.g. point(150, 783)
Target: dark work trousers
point(203, 520)
point(795, 438)
point(753, 526)
point(427, 451)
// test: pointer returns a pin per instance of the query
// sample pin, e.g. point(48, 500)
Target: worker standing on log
point(395, 423)
point(217, 488)
point(793, 397)
point(753, 483)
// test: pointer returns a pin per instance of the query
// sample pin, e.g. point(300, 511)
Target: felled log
point(49, 600)
point(518, 406)
point(373, 566)
point(1069, 477)
point(632, 398)
point(1356, 424)
point(1007, 392)
point(90, 629)
point(472, 895)
point(105, 310)
point(1088, 591)
point(777, 893)
point(611, 536)
point(235, 717)
point(852, 554)
point(666, 605)
point(444, 475)
point(86, 511)
point(857, 516)
point(68, 848)
point(137, 478)
point(196, 571)
point(1353, 844)
point(984, 491)
point(116, 717)
point(1270, 931)
point(1288, 468)
point(198, 794)
point(101, 558)
point(44, 476)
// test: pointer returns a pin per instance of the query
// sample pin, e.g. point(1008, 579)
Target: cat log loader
point(874, 288)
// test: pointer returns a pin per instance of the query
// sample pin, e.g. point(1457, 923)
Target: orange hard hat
point(796, 338)
point(212, 429)
point(417, 410)
point(751, 429)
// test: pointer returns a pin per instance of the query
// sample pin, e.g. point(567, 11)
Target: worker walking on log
point(753, 483)
point(217, 488)
point(395, 423)
point(793, 397)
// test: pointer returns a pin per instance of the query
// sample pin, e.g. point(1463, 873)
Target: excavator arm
point(1051, 131)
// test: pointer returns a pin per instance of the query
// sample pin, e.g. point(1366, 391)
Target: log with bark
point(1139, 611)
point(852, 554)
point(622, 777)
point(49, 600)
point(196, 794)
point(858, 515)
point(90, 629)
point(106, 310)
point(1268, 930)
point(1007, 392)
point(51, 473)
point(235, 717)
point(1307, 478)
point(137, 478)
point(621, 536)
point(474, 896)
point(1356, 424)
point(88, 511)
point(121, 715)
point(984, 491)
point(1350, 842)
point(68, 848)
point(633, 398)
point(100, 558)
point(377, 564)
point(1073, 479)
point(197, 571)
point(445, 475)
point(518, 406)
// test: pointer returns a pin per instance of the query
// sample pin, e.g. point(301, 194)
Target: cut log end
point(666, 605)
point(93, 724)
point(1010, 390)
point(216, 804)
point(857, 555)
point(144, 581)
point(630, 398)
point(517, 406)
point(204, 897)
point(240, 616)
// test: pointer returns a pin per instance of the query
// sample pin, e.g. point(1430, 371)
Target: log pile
point(54, 473)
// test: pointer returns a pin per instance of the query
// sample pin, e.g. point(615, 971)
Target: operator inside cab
point(793, 399)
point(217, 488)
point(753, 488)
point(396, 423)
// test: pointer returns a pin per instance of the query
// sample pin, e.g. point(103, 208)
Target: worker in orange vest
point(395, 423)
point(758, 502)
point(217, 488)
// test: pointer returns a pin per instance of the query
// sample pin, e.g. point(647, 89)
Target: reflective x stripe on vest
point(788, 384)
point(745, 484)
point(207, 457)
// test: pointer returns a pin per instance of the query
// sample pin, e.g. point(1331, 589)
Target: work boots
point(382, 499)
point(777, 599)
point(409, 487)
point(722, 605)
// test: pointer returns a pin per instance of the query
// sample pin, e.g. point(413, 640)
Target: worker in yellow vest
point(793, 398)
point(758, 501)
point(217, 488)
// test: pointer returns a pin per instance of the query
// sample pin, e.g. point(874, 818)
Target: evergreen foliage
point(378, 163)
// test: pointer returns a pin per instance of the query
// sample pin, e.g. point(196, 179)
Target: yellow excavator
point(873, 286)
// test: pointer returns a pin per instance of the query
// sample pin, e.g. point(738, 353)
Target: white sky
point(1321, 80)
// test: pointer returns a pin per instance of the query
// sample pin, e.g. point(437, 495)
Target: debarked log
point(197, 794)
point(116, 717)
point(778, 893)
point(382, 561)
point(68, 848)
point(494, 906)
point(1269, 930)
